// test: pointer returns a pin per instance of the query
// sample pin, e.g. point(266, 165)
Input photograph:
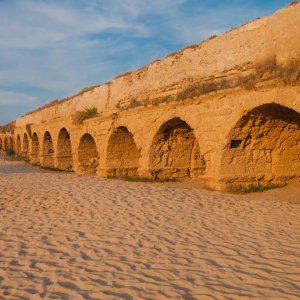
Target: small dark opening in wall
point(235, 144)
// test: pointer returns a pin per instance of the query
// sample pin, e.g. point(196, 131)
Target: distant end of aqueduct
point(226, 111)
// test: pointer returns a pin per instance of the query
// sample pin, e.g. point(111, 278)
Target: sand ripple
point(66, 236)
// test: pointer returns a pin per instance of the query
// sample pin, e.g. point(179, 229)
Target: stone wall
point(277, 35)
point(225, 111)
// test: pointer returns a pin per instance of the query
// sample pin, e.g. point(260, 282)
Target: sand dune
point(67, 236)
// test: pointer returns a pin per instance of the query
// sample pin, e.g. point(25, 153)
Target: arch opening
point(6, 144)
point(35, 149)
point(48, 151)
point(64, 151)
point(25, 146)
point(88, 157)
point(11, 144)
point(175, 152)
point(122, 154)
point(1, 145)
point(18, 145)
point(268, 148)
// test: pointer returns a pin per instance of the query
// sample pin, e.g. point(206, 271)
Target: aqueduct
point(226, 111)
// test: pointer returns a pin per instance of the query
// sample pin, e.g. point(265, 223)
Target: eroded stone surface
point(35, 148)
point(122, 154)
point(175, 152)
point(64, 151)
point(269, 147)
point(87, 155)
point(25, 152)
point(48, 160)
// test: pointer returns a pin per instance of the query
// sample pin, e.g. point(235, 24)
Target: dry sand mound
point(66, 236)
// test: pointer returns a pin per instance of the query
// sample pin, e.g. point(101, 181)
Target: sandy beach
point(69, 236)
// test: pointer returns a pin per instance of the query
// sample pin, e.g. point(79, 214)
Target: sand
point(70, 236)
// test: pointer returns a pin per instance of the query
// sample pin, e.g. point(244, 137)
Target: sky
point(50, 49)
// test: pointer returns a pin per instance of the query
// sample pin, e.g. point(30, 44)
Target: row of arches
point(7, 143)
point(264, 145)
point(175, 152)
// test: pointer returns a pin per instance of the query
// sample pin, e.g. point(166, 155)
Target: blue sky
point(50, 49)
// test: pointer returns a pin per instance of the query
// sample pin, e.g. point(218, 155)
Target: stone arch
point(35, 149)
point(25, 146)
point(8, 143)
point(263, 147)
point(122, 157)
point(48, 160)
point(88, 157)
point(18, 144)
point(64, 151)
point(11, 143)
point(1, 144)
point(175, 152)
point(6, 146)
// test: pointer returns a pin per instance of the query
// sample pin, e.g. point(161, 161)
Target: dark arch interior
point(35, 149)
point(11, 143)
point(18, 145)
point(48, 151)
point(64, 151)
point(1, 144)
point(87, 155)
point(175, 152)
point(122, 154)
point(6, 144)
point(263, 147)
point(25, 146)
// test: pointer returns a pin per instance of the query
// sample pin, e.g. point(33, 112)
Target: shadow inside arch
point(123, 157)
point(88, 157)
point(175, 152)
point(64, 151)
point(263, 148)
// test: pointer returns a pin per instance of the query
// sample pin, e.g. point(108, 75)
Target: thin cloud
point(13, 98)
point(37, 25)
